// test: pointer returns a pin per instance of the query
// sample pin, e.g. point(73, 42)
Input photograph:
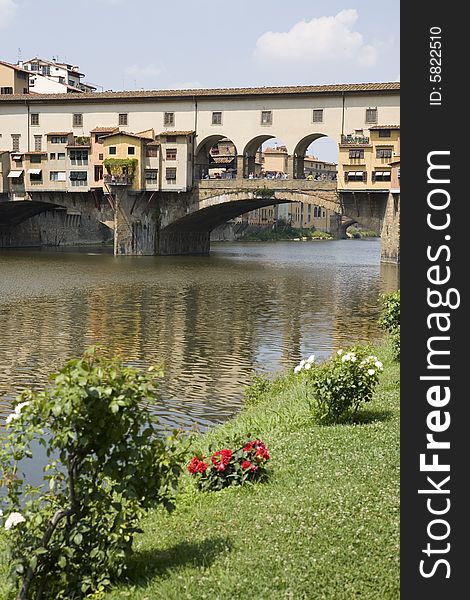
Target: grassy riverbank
point(325, 526)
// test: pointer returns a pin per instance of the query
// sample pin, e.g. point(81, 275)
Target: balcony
point(356, 140)
point(118, 179)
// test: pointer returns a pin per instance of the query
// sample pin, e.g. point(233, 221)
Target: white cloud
point(325, 38)
point(7, 10)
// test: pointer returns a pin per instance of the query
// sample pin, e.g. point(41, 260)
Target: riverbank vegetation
point(324, 524)
point(360, 232)
point(285, 233)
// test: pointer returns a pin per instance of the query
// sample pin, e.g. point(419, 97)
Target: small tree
point(106, 466)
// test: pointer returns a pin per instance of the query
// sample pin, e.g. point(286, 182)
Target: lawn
point(325, 525)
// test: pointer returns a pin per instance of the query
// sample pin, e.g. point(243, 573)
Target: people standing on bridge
point(250, 176)
point(310, 177)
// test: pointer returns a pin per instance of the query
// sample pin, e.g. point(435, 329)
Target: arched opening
point(253, 156)
point(316, 157)
point(216, 158)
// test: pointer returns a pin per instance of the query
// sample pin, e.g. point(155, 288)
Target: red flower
point(262, 453)
point(197, 465)
point(249, 446)
point(221, 459)
point(246, 464)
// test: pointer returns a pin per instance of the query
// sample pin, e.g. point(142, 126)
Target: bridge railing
point(270, 184)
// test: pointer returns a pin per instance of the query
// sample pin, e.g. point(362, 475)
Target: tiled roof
point(16, 67)
point(128, 134)
point(36, 152)
point(385, 127)
point(59, 133)
point(385, 87)
point(167, 133)
point(104, 129)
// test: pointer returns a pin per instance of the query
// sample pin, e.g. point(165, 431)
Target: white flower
point(371, 357)
point(378, 364)
point(297, 369)
point(353, 358)
point(302, 363)
point(339, 352)
point(307, 366)
point(19, 407)
point(311, 358)
point(1, 512)
point(13, 519)
point(11, 417)
point(371, 372)
point(345, 358)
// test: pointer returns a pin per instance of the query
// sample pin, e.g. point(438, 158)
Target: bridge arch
point(251, 149)
point(300, 151)
point(204, 157)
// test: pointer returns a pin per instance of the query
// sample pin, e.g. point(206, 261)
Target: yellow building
point(364, 161)
point(13, 79)
point(124, 154)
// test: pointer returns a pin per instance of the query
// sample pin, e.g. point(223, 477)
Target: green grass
point(325, 525)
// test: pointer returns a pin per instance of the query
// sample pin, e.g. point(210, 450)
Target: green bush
point(390, 319)
point(336, 388)
point(106, 466)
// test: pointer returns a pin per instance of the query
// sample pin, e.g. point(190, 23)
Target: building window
point(57, 176)
point(112, 149)
point(171, 154)
point(385, 133)
point(56, 139)
point(217, 118)
point(151, 175)
point(61, 156)
point(98, 172)
point(52, 156)
point(169, 119)
point(384, 153)
point(38, 142)
point(15, 142)
point(171, 139)
point(151, 151)
point(79, 157)
point(34, 118)
point(123, 119)
point(77, 120)
point(35, 178)
point(35, 158)
point(355, 176)
point(78, 178)
point(266, 117)
point(171, 175)
point(371, 115)
point(381, 176)
point(6, 90)
point(356, 153)
point(130, 149)
point(318, 115)
point(100, 156)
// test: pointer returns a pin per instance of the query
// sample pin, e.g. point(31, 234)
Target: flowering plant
point(337, 387)
point(230, 467)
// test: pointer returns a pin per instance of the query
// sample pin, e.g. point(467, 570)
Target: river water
point(210, 320)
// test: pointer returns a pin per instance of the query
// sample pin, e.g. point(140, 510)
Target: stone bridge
point(180, 223)
point(169, 223)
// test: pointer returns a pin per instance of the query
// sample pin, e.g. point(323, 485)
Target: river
point(210, 320)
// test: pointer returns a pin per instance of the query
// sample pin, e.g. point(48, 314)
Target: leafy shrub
point(336, 388)
point(390, 319)
point(106, 466)
point(230, 467)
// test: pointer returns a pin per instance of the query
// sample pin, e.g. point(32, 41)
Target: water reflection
point(210, 320)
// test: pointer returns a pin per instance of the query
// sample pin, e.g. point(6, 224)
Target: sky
point(153, 44)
